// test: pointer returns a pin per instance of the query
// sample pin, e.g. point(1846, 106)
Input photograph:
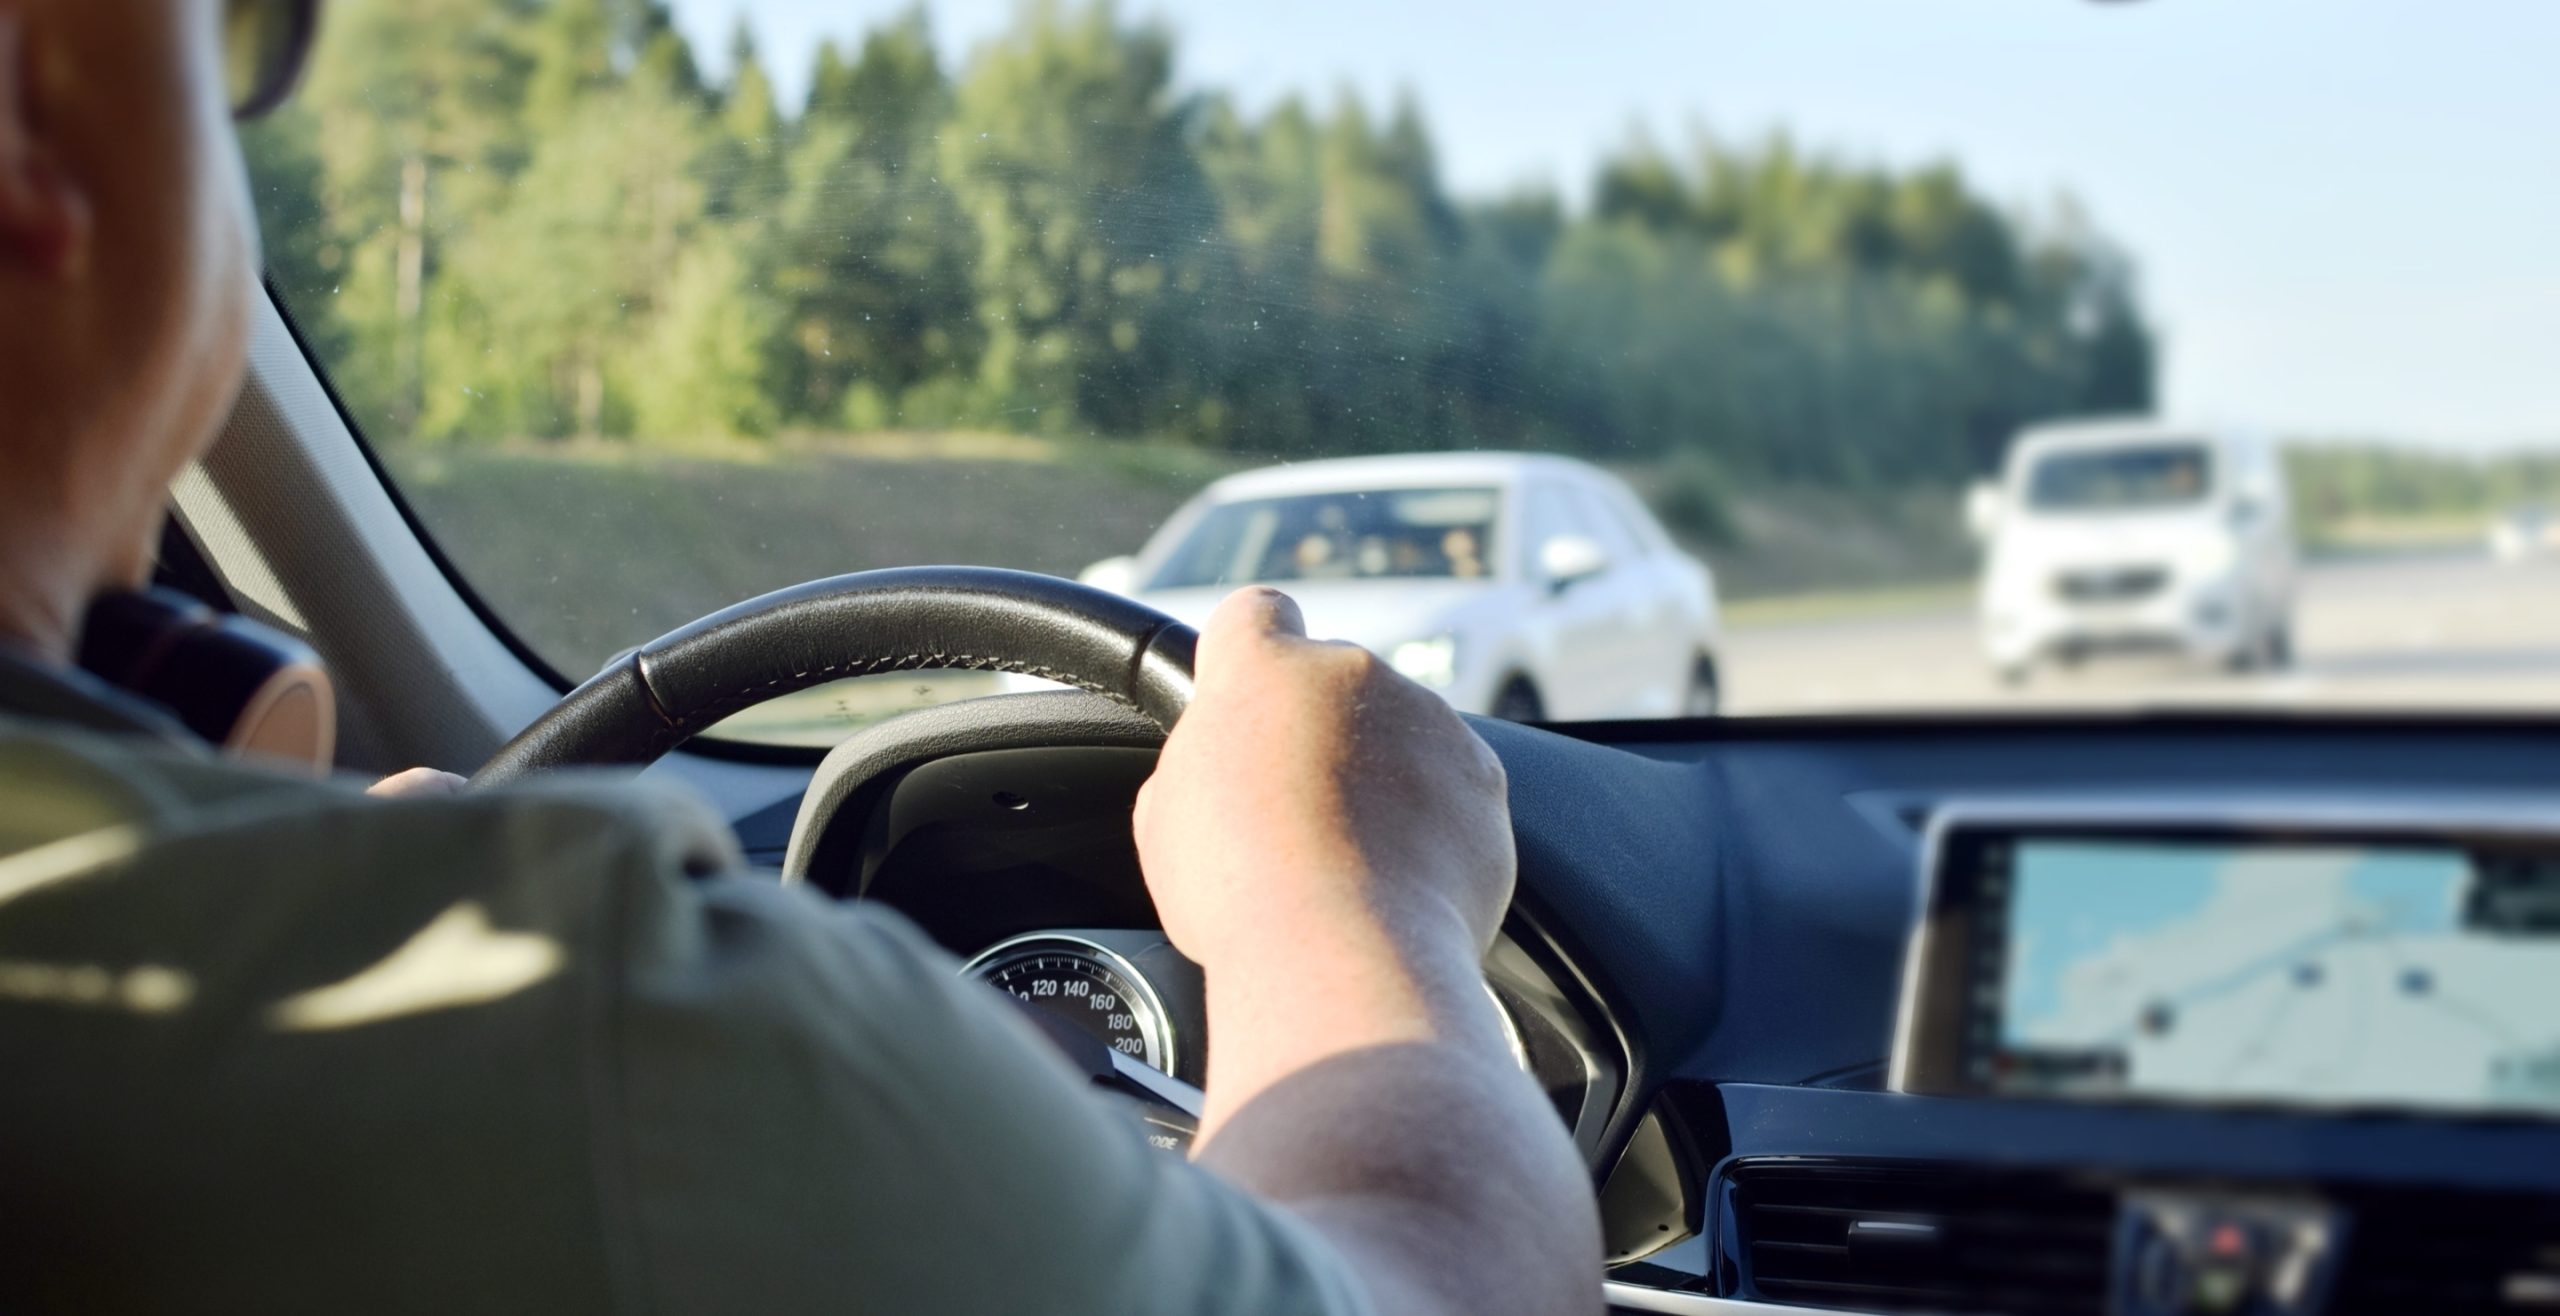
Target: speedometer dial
point(1086, 985)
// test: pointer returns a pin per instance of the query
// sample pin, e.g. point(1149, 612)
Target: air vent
point(2450, 1255)
point(1866, 1237)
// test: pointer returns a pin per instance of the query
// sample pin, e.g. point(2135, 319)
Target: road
point(2416, 632)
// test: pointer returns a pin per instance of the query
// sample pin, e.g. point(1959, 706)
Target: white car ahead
point(2133, 534)
point(1526, 586)
point(2529, 531)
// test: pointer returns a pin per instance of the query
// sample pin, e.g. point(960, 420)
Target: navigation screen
point(2384, 975)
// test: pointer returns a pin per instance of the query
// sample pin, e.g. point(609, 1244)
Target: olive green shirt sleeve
point(273, 1045)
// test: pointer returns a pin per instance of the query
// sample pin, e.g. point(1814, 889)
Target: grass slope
point(588, 549)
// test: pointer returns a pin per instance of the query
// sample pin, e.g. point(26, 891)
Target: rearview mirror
point(1568, 558)
point(1983, 506)
point(1116, 574)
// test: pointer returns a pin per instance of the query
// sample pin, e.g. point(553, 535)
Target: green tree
point(1067, 151)
point(415, 103)
point(1365, 314)
point(571, 47)
point(548, 293)
point(1810, 320)
point(873, 255)
point(661, 54)
point(1254, 330)
point(749, 168)
point(519, 218)
point(303, 252)
point(704, 369)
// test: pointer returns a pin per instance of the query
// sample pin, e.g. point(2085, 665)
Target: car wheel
point(2280, 646)
point(2255, 655)
point(1705, 697)
point(1519, 702)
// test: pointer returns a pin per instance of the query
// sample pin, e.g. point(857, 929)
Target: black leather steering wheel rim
point(669, 690)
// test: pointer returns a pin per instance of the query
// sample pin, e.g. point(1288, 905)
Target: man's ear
point(44, 214)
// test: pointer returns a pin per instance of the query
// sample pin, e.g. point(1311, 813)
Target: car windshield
point(1444, 534)
point(649, 306)
point(2104, 479)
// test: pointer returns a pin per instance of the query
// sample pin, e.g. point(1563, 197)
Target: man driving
point(270, 1044)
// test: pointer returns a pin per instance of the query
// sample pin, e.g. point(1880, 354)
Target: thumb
point(1258, 610)
point(417, 783)
point(1256, 617)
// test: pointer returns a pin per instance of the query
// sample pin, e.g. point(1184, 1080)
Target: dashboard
point(1707, 969)
point(1020, 862)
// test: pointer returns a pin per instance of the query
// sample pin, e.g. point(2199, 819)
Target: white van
point(2119, 535)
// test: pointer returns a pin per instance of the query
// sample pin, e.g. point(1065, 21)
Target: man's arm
point(1332, 844)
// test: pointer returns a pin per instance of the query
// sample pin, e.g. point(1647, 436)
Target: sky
point(2346, 212)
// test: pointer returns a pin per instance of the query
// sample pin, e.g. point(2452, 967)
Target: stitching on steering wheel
point(731, 703)
point(663, 739)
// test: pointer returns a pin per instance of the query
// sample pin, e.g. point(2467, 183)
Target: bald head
point(127, 262)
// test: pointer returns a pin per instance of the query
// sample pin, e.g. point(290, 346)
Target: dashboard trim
point(1622, 1296)
point(855, 775)
point(2152, 1141)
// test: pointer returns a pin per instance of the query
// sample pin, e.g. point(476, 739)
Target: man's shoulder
point(268, 998)
point(367, 1036)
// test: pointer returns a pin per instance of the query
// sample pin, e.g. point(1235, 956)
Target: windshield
point(2118, 479)
point(1443, 534)
point(649, 306)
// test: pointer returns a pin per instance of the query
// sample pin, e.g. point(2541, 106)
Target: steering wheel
point(904, 619)
point(1590, 820)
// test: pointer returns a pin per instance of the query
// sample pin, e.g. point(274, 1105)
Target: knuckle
point(1357, 661)
point(1340, 668)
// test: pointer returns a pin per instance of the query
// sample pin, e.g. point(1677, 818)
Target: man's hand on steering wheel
point(1314, 805)
point(1333, 845)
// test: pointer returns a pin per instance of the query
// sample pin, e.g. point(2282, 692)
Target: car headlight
point(1433, 662)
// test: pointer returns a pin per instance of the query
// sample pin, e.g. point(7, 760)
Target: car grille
point(2110, 584)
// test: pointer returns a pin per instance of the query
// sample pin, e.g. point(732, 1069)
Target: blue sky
point(2347, 212)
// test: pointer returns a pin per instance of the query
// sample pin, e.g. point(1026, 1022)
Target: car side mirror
point(1568, 558)
point(1116, 574)
point(1983, 507)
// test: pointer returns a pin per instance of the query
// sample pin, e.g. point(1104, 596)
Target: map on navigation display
point(2387, 975)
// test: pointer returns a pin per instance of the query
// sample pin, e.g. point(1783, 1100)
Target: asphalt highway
point(2419, 632)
